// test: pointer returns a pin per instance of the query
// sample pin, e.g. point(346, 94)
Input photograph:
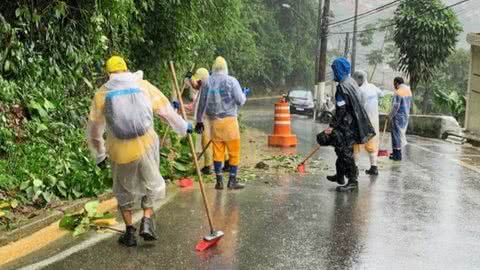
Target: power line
point(365, 14)
point(393, 24)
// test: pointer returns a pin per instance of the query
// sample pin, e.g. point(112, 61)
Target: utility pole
point(354, 41)
point(322, 61)
point(346, 51)
point(319, 34)
point(317, 99)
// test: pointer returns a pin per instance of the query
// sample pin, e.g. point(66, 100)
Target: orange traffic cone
point(282, 132)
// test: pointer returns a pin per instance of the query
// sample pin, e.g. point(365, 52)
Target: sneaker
point(147, 229)
point(219, 184)
point(336, 179)
point(128, 238)
point(233, 183)
point(350, 187)
point(372, 171)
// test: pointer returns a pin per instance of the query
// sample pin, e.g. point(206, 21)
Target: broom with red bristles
point(301, 167)
point(214, 236)
point(383, 152)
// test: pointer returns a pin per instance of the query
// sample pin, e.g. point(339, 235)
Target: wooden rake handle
point(310, 155)
point(384, 130)
point(192, 148)
point(204, 149)
point(162, 141)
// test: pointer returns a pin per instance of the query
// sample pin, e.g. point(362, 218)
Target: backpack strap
point(123, 92)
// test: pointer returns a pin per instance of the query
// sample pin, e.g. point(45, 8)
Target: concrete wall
point(472, 120)
point(431, 126)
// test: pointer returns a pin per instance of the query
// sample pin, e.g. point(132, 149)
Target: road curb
point(45, 220)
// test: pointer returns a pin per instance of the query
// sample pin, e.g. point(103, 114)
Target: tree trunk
point(426, 99)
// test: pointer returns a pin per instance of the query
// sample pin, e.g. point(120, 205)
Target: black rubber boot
point(351, 186)
point(372, 171)
point(207, 170)
point(337, 179)
point(219, 184)
point(233, 183)
point(396, 155)
point(147, 229)
point(128, 238)
point(226, 166)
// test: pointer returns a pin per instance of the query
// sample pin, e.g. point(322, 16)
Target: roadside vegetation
point(51, 62)
point(52, 55)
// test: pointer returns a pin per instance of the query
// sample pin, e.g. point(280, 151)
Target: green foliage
point(449, 86)
point(375, 57)
point(51, 62)
point(426, 33)
point(82, 222)
point(366, 36)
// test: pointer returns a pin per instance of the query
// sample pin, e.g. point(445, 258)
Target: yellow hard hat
point(219, 64)
point(200, 74)
point(116, 64)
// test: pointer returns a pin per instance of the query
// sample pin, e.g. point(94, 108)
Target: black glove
point(189, 75)
point(199, 128)
point(323, 139)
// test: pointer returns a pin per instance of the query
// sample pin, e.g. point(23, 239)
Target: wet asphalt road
point(422, 213)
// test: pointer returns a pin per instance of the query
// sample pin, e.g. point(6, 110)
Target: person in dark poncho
point(349, 126)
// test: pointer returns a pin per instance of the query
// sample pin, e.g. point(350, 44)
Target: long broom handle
point(311, 154)
point(384, 130)
point(204, 149)
point(181, 93)
point(192, 148)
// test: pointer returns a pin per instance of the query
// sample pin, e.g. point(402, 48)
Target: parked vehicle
point(301, 102)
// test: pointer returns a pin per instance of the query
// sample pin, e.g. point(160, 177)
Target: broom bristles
point(204, 244)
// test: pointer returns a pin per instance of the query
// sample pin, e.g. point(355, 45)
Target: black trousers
point(343, 143)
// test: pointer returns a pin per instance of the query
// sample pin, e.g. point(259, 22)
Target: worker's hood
point(341, 69)
point(124, 80)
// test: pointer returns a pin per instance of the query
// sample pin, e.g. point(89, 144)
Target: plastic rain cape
point(123, 108)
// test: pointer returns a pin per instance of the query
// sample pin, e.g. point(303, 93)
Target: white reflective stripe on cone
point(282, 115)
point(282, 122)
point(282, 108)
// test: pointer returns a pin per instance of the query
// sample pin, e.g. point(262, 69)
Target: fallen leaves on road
point(87, 219)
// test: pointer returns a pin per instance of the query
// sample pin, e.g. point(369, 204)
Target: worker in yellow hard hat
point(124, 108)
point(220, 98)
point(200, 77)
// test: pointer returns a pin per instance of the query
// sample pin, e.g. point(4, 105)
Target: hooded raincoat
point(220, 98)
point(124, 109)
point(369, 98)
point(350, 124)
point(402, 101)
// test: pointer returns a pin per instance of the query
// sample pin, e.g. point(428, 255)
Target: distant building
point(472, 117)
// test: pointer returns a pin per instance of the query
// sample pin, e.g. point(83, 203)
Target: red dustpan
point(185, 182)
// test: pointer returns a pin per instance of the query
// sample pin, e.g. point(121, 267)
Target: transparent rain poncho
point(369, 97)
point(123, 108)
point(401, 103)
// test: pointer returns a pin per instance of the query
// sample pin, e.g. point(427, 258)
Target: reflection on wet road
point(422, 213)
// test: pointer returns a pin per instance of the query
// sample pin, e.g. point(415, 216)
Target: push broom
point(301, 166)
point(215, 235)
point(383, 152)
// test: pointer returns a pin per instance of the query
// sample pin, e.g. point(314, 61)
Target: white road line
point(89, 242)
point(459, 162)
